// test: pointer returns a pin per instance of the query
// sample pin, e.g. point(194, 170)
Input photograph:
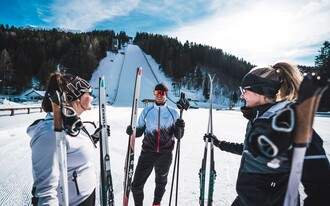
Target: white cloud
point(263, 32)
point(259, 31)
point(84, 14)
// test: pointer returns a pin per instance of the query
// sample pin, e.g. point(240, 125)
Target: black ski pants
point(147, 161)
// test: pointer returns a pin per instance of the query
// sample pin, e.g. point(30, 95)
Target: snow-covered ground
point(229, 125)
point(15, 160)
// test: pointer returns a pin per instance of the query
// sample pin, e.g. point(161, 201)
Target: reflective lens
point(87, 90)
point(159, 92)
point(242, 90)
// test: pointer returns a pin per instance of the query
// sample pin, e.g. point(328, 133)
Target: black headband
point(263, 86)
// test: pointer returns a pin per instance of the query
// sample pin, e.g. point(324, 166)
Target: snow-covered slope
point(120, 70)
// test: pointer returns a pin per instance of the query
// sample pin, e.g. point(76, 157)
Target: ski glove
point(129, 130)
point(138, 132)
point(270, 138)
point(209, 137)
point(96, 135)
point(179, 128)
point(71, 123)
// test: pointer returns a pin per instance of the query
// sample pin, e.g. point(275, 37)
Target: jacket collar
point(255, 112)
point(160, 106)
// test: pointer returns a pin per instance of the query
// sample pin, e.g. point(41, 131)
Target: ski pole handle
point(182, 104)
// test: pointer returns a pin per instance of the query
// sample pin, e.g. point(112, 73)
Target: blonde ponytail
point(291, 79)
point(285, 73)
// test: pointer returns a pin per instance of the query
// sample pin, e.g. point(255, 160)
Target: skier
point(269, 92)
point(82, 178)
point(159, 124)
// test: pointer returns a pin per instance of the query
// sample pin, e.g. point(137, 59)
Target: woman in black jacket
point(269, 92)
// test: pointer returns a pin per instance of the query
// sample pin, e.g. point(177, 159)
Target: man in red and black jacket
point(159, 123)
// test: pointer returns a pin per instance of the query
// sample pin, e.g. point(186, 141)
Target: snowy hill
point(120, 70)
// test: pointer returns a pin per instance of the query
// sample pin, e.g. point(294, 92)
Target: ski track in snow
point(15, 155)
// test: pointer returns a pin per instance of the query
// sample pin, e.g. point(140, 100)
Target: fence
point(12, 110)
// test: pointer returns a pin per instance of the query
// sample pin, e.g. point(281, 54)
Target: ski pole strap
point(90, 136)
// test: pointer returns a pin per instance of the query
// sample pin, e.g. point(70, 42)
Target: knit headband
point(263, 86)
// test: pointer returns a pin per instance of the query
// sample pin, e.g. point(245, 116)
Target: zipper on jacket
point(158, 143)
point(76, 182)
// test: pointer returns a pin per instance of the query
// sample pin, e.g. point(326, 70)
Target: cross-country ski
point(202, 171)
point(129, 162)
point(106, 187)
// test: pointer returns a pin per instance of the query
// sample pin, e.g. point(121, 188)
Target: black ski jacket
point(259, 185)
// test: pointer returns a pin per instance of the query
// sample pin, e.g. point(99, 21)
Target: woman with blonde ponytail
point(270, 93)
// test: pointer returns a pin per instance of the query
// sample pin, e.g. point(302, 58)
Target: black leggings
point(147, 161)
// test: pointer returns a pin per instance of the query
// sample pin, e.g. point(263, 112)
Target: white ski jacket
point(82, 177)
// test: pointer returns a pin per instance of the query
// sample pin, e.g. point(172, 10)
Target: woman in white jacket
point(82, 178)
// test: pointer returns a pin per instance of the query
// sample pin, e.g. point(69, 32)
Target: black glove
point(96, 135)
point(71, 123)
point(183, 103)
point(212, 137)
point(179, 128)
point(129, 130)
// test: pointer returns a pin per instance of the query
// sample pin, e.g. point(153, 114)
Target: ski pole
point(182, 104)
point(56, 102)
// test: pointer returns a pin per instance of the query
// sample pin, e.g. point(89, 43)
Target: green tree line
point(188, 63)
point(26, 53)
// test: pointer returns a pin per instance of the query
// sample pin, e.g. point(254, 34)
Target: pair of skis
point(202, 171)
point(129, 162)
point(309, 96)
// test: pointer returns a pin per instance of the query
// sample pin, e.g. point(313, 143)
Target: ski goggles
point(160, 92)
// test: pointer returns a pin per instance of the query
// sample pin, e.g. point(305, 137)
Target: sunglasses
point(160, 92)
point(243, 90)
point(250, 88)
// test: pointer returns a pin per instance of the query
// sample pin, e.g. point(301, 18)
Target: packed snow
point(119, 71)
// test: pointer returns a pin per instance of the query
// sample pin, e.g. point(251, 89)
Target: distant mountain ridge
point(33, 28)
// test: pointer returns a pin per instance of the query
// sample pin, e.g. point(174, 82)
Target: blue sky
point(259, 31)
